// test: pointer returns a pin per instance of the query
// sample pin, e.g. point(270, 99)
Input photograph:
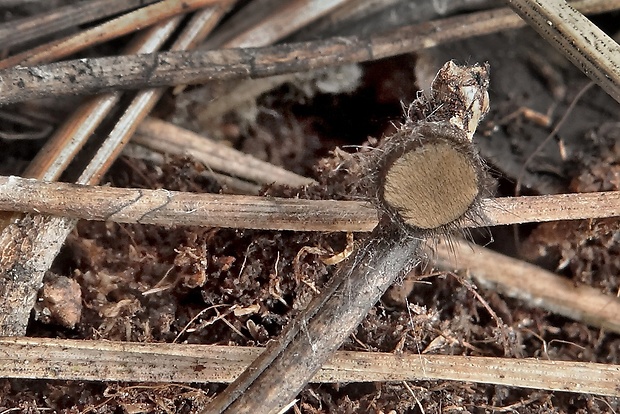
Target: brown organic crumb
point(60, 301)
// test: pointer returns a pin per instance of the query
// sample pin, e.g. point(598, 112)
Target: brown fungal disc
point(431, 185)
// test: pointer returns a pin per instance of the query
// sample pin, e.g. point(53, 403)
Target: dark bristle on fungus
point(431, 178)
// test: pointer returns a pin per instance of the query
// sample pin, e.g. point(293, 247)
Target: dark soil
point(198, 268)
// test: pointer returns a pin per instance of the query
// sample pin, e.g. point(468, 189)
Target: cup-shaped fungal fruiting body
point(430, 178)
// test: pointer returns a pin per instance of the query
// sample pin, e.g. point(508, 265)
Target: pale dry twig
point(80, 360)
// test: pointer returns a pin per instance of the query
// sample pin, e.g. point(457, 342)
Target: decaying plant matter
point(429, 179)
point(198, 277)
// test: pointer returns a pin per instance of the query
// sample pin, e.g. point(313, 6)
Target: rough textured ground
point(207, 267)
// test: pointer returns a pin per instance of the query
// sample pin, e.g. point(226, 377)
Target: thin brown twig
point(114, 28)
point(131, 205)
point(590, 49)
point(144, 101)
point(363, 17)
point(71, 136)
point(538, 287)
point(259, 23)
point(168, 138)
point(233, 185)
point(82, 360)
point(351, 12)
point(253, 26)
point(235, 96)
point(171, 68)
point(19, 31)
point(264, 22)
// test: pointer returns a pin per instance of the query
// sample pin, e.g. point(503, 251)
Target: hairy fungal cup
point(433, 180)
point(428, 176)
